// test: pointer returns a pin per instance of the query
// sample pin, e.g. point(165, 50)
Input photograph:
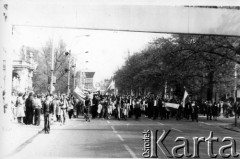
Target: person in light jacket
point(38, 107)
point(20, 113)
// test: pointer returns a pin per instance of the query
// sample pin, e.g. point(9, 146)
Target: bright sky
point(107, 50)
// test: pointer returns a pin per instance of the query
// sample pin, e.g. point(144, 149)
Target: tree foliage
point(200, 63)
point(42, 73)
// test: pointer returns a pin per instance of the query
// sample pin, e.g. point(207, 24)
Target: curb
point(229, 128)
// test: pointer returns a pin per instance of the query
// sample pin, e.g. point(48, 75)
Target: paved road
point(117, 139)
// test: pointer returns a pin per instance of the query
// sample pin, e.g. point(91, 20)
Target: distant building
point(80, 78)
point(22, 76)
point(22, 73)
point(88, 82)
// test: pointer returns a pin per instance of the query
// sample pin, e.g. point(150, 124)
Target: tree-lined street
point(88, 79)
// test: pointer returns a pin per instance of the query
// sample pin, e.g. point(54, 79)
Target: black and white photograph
point(119, 79)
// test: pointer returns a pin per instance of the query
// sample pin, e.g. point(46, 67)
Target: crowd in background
point(27, 108)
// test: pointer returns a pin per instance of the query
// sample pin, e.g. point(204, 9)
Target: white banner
point(78, 93)
point(172, 105)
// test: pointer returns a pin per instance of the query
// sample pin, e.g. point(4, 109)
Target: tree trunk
point(210, 86)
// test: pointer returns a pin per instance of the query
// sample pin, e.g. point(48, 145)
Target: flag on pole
point(79, 94)
point(184, 97)
point(111, 86)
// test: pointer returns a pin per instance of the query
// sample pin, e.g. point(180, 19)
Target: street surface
point(117, 139)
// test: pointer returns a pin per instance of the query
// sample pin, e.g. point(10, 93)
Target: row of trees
point(42, 73)
point(201, 64)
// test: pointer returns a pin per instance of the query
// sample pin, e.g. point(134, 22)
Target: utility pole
point(68, 88)
point(52, 65)
point(74, 82)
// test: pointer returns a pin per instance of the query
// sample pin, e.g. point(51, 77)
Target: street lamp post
point(68, 82)
point(74, 71)
point(52, 66)
point(69, 66)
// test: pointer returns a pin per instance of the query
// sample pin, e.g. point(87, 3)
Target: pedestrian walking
point(59, 111)
point(194, 110)
point(187, 110)
point(87, 108)
point(70, 108)
point(209, 110)
point(64, 106)
point(137, 109)
point(47, 110)
point(214, 111)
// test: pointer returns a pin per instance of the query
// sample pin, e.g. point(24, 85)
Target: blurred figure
point(194, 109)
point(20, 108)
point(87, 108)
point(13, 106)
point(209, 110)
point(29, 109)
point(179, 112)
point(137, 109)
point(38, 107)
point(215, 111)
point(64, 106)
point(58, 111)
point(99, 109)
point(70, 108)
point(155, 108)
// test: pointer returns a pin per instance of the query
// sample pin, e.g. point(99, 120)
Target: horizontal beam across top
point(138, 16)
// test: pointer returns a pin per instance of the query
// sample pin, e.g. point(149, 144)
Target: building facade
point(88, 81)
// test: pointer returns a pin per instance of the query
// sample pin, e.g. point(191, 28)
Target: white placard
point(172, 105)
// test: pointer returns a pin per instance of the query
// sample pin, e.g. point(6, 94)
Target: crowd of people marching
point(27, 108)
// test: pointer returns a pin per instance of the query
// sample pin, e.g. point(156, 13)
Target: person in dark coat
point(209, 110)
point(87, 109)
point(95, 107)
point(215, 111)
point(137, 109)
point(194, 110)
point(47, 110)
point(187, 110)
point(150, 108)
point(29, 109)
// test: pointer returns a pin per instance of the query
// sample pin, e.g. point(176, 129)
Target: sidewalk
point(15, 135)
point(229, 122)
